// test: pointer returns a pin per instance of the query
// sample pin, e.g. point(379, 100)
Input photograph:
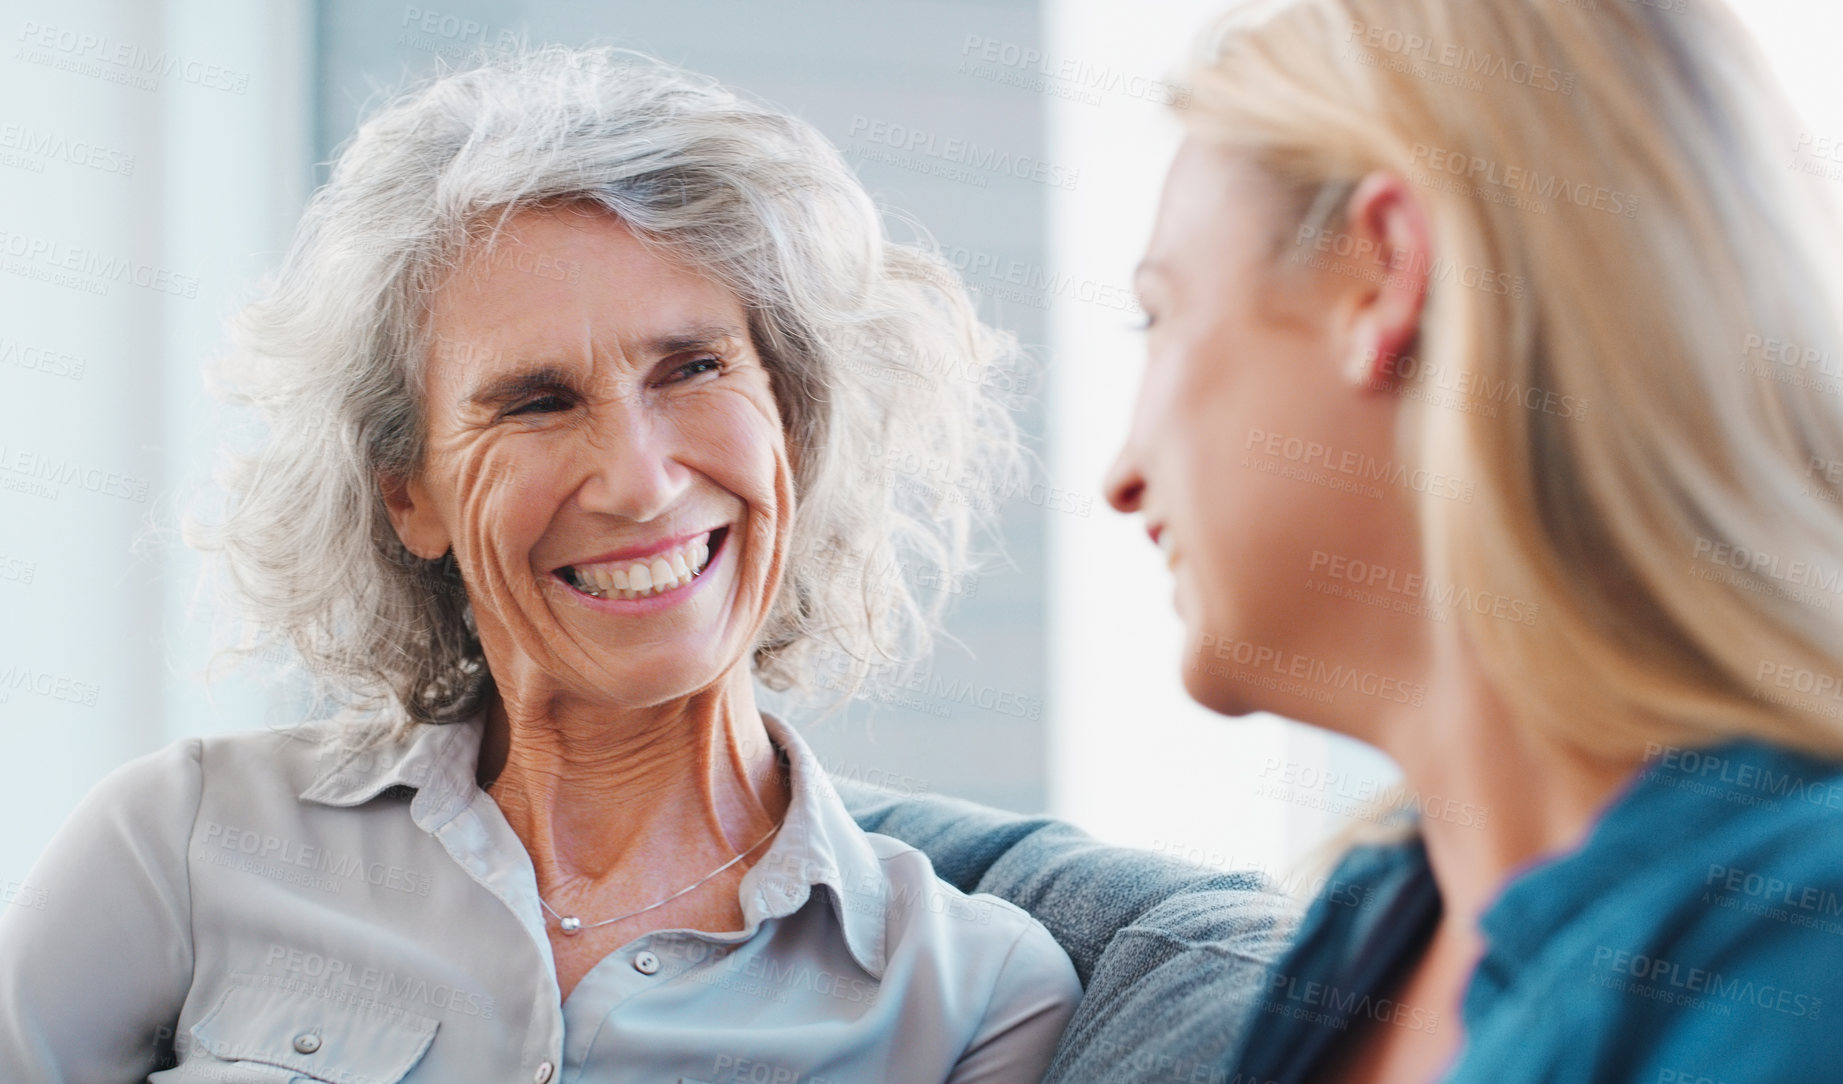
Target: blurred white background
point(154, 155)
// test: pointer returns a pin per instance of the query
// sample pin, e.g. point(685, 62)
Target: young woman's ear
point(1388, 225)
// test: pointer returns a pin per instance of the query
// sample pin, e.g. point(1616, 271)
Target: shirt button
point(542, 1076)
point(306, 1042)
point(646, 963)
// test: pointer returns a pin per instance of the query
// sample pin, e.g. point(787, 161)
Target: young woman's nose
point(1125, 485)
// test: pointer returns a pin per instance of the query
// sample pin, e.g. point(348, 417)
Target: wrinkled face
point(606, 460)
point(1246, 415)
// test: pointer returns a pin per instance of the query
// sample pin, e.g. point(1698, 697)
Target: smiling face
point(1255, 393)
point(605, 458)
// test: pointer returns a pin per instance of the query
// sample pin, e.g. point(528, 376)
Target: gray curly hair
point(877, 358)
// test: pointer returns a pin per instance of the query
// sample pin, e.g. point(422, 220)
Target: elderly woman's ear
point(413, 514)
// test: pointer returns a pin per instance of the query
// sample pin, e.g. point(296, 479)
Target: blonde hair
point(1626, 166)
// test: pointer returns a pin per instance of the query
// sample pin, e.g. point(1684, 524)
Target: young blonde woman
point(1518, 323)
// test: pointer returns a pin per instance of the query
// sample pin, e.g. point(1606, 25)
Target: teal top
point(1695, 937)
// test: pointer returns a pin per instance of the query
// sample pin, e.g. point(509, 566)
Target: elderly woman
point(567, 379)
point(1499, 426)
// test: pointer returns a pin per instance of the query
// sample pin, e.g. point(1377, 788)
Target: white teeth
point(639, 579)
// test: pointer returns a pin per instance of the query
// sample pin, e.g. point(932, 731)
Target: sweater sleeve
point(96, 952)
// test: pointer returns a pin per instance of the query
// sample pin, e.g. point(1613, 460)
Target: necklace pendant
point(570, 923)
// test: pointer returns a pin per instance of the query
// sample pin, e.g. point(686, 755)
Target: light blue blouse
point(258, 907)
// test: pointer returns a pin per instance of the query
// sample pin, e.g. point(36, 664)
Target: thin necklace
point(573, 925)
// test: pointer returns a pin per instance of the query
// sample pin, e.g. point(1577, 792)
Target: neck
point(654, 794)
point(1494, 798)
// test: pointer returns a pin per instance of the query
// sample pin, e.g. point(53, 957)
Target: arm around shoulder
point(95, 965)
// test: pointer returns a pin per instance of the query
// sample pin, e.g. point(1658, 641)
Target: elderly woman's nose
point(634, 468)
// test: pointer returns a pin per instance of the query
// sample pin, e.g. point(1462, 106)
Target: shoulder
point(284, 758)
point(153, 796)
point(1764, 879)
point(1733, 928)
point(918, 899)
point(969, 934)
point(191, 777)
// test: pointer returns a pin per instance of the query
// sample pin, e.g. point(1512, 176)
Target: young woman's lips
point(634, 586)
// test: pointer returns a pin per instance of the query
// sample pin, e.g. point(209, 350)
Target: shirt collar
point(437, 761)
point(818, 844)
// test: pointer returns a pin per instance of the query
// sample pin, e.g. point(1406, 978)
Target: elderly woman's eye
point(543, 404)
point(694, 367)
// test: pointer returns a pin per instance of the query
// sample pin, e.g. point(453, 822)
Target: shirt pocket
point(313, 1038)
